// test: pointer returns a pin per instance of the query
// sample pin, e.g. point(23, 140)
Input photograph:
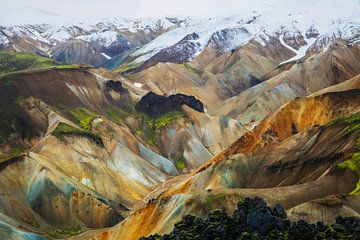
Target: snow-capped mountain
point(299, 26)
point(45, 33)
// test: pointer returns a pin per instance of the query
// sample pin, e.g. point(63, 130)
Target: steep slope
point(110, 95)
point(292, 119)
point(251, 75)
point(83, 126)
point(79, 52)
point(74, 142)
point(168, 78)
point(296, 172)
point(213, 76)
point(55, 185)
point(337, 64)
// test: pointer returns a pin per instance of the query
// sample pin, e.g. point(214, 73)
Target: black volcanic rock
point(253, 219)
point(156, 105)
point(116, 86)
point(116, 94)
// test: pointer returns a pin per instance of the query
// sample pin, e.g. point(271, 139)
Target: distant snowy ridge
point(331, 19)
point(50, 28)
point(300, 25)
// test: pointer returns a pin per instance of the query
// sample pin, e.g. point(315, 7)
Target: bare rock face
point(326, 209)
point(156, 105)
point(312, 32)
point(294, 39)
point(78, 52)
point(91, 53)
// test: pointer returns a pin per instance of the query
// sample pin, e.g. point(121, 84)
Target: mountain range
point(117, 128)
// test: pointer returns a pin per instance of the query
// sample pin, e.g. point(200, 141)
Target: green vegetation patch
point(14, 61)
point(63, 130)
point(149, 127)
point(83, 117)
point(164, 120)
point(67, 231)
point(154, 125)
point(353, 121)
point(180, 162)
point(126, 66)
point(354, 165)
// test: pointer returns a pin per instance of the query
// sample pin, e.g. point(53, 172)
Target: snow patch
point(299, 53)
point(138, 85)
point(106, 56)
point(103, 38)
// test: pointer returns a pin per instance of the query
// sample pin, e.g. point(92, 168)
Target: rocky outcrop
point(294, 39)
point(156, 105)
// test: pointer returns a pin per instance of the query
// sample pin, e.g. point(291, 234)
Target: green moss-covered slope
point(354, 162)
point(14, 61)
point(64, 130)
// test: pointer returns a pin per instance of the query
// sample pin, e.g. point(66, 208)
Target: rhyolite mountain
point(118, 128)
